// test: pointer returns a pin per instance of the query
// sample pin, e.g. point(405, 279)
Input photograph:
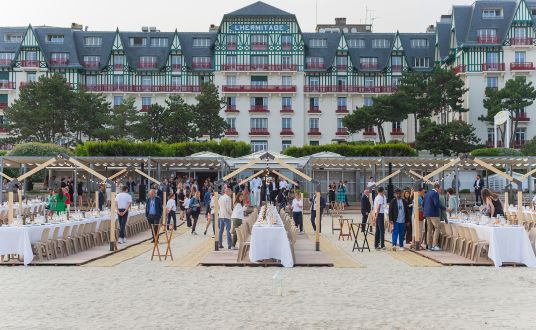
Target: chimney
point(76, 26)
point(152, 29)
point(144, 29)
point(213, 28)
point(340, 21)
point(430, 28)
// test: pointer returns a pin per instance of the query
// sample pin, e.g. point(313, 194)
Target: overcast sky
point(197, 15)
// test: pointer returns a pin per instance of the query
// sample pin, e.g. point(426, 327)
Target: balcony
point(140, 88)
point(231, 46)
point(493, 67)
point(176, 67)
point(314, 109)
point(147, 65)
point(396, 68)
point(521, 41)
point(521, 66)
point(342, 109)
point(145, 107)
point(259, 131)
point(287, 109)
point(259, 45)
point(397, 132)
point(3, 106)
point(259, 67)
point(5, 62)
point(92, 64)
point(342, 67)
point(460, 69)
point(342, 131)
point(349, 89)
point(491, 144)
point(7, 85)
point(118, 67)
point(286, 46)
point(259, 109)
point(488, 40)
point(202, 66)
point(369, 66)
point(29, 63)
point(519, 143)
point(231, 109)
point(287, 132)
point(315, 66)
point(231, 132)
point(59, 61)
point(314, 131)
point(259, 89)
point(369, 133)
point(522, 117)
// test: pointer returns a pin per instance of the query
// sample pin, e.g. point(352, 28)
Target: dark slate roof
point(189, 51)
point(410, 53)
point(133, 53)
point(258, 9)
point(68, 45)
point(328, 53)
point(10, 47)
point(443, 38)
point(468, 20)
point(383, 54)
point(103, 51)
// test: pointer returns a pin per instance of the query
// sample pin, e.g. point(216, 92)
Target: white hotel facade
point(283, 86)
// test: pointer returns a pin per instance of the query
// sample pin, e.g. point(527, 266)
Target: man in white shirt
point(256, 189)
point(225, 210)
point(283, 184)
point(371, 186)
point(378, 220)
point(171, 207)
point(534, 203)
point(123, 201)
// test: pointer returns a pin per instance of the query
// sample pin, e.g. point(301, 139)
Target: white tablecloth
point(270, 242)
point(31, 206)
point(506, 244)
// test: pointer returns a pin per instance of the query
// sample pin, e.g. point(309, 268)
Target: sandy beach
point(385, 293)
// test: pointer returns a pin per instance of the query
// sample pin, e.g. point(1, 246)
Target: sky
point(188, 15)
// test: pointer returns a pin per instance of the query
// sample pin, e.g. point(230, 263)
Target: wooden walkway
point(451, 259)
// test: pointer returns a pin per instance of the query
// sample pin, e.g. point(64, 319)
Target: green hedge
point(529, 148)
point(3, 152)
point(38, 149)
point(354, 150)
point(125, 148)
point(495, 152)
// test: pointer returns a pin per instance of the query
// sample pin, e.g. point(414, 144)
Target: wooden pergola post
point(416, 220)
point(216, 221)
point(318, 214)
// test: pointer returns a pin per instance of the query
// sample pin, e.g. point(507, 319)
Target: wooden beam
point(284, 177)
point(493, 169)
point(523, 177)
point(123, 171)
point(395, 173)
point(36, 169)
point(417, 175)
point(292, 169)
point(241, 169)
point(147, 176)
point(252, 177)
point(6, 176)
point(87, 169)
point(441, 169)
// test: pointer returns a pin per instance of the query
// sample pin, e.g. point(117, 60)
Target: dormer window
point(201, 42)
point(13, 37)
point(55, 38)
point(533, 11)
point(318, 43)
point(381, 43)
point(492, 13)
point(137, 41)
point(93, 41)
point(159, 42)
point(356, 43)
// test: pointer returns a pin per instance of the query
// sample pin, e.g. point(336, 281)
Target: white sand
point(139, 294)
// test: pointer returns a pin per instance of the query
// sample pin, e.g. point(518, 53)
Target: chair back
point(66, 232)
point(474, 235)
point(532, 238)
point(55, 233)
point(44, 235)
point(74, 231)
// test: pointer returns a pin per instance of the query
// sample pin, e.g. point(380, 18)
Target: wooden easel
point(168, 234)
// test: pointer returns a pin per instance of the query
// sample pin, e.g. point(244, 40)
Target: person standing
point(297, 211)
point(379, 219)
point(256, 189)
point(187, 209)
point(180, 200)
point(195, 209)
point(131, 185)
point(341, 196)
point(478, 186)
point(407, 196)
point(365, 208)
point(210, 213)
point(493, 204)
point(101, 198)
point(225, 213)
point(171, 207)
point(313, 211)
point(371, 186)
point(345, 184)
point(432, 211)
point(67, 199)
point(80, 194)
point(153, 212)
point(453, 203)
point(331, 193)
point(123, 202)
point(398, 217)
point(237, 216)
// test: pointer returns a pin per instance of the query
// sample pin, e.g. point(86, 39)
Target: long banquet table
point(506, 243)
point(270, 242)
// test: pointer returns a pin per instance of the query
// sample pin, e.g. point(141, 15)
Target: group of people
point(338, 193)
point(60, 195)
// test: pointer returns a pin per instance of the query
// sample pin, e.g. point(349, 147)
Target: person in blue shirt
point(399, 215)
point(153, 212)
point(432, 212)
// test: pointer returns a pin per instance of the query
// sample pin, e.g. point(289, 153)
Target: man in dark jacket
point(432, 211)
point(398, 217)
point(313, 211)
point(365, 208)
point(153, 211)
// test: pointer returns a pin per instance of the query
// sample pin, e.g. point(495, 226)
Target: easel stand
point(168, 234)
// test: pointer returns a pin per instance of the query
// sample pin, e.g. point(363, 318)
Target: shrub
point(3, 152)
point(495, 152)
point(38, 149)
point(529, 148)
point(355, 150)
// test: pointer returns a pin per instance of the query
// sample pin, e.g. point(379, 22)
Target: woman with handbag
point(187, 210)
point(195, 209)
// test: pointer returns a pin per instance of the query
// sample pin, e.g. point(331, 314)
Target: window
point(368, 62)
point(159, 42)
point(286, 60)
point(137, 41)
point(13, 37)
point(6, 58)
point(396, 126)
point(59, 58)
point(91, 80)
point(231, 122)
point(318, 43)
point(419, 43)
point(259, 123)
point(492, 82)
point(314, 81)
point(231, 60)
point(146, 101)
point(231, 41)
point(286, 123)
point(55, 38)
point(176, 81)
point(286, 80)
point(396, 61)
point(368, 101)
point(315, 62)
point(118, 60)
point(381, 43)
point(491, 134)
point(148, 59)
point(31, 77)
point(520, 57)
point(520, 32)
point(286, 102)
point(231, 80)
point(342, 102)
point(314, 143)
point(421, 62)
point(258, 101)
point(285, 144)
point(314, 102)
point(341, 62)
point(259, 146)
point(487, 32)
point(259, 60)
point(176, 61)
point(201, 60)
point(146, 81)
point(520, 134)
point(259, 42)
point(395, 81)
point(356, 43)
point(259, 80)
point(313, 123)
point(533, 11)
point(491, 13)
point(231, 101)
point(31, 56)
point(369, 81)
point(201, 42)
point(286, 42)
point(118, 80)
point(93, 41)
point(492, 58)
point(91, 60)
point(340, 123)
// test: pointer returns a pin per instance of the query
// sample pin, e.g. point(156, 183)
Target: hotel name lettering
point(259, 27)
